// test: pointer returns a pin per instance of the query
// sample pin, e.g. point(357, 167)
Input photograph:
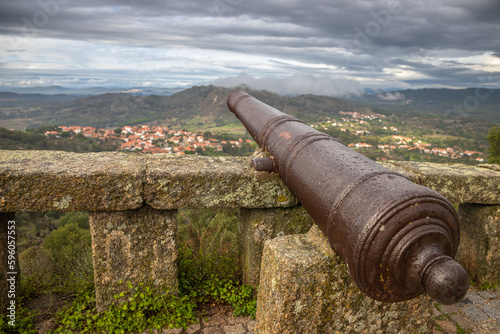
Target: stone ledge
point(457, 182)
point(112, 181)
point(174, 182)
point(61, 181)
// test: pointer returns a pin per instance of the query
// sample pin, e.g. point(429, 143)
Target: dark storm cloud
point(356, 38)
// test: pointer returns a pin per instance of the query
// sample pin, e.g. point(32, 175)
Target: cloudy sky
point(334, 47)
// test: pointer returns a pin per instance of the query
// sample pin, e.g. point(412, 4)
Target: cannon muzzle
point(397, 238)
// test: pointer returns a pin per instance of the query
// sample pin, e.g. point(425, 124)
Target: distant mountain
point(55, 90)
point(49, 90)
point(14, 99)
point(191, 107)
point(478, 103)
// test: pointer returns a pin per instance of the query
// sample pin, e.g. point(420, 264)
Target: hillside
point(477, 103)
point(8, 99)
point(375, 130)
point(196, 107)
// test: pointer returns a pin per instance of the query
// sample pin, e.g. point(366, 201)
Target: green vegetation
point(134, 312)
point(34, 227)
point(494, 148)
point(42, 272)
point(208, 273)
point(208, 259)
point(24, 321)
point(447, 317)
point(72, 251)
point(423, 115)
point(35, 140)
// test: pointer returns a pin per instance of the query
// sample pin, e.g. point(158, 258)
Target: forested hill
point(202, 103)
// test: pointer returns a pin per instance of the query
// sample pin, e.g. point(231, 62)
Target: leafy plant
point(134, 311)
point(207, 245)
point(240, 297)
point(23, 322)
point(483, 286)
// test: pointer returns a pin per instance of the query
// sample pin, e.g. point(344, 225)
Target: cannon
point(398, 239)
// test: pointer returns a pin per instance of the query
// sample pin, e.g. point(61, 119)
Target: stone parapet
point(259, 225)
point(479, 248)
point(458, 183)
point(61, 181)
point(176, 182)
point(136, 246)
point(306, 288)
point(127, 194)
point(111, 181)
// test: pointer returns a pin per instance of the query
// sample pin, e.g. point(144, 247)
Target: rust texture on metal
point(397, 238)
point(264, 164)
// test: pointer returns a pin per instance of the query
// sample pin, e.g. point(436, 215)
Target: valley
point(197, 121)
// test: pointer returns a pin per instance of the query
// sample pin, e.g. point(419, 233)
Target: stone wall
point(479, 249)
point(306, 288)
point(133, 246)
point(133, 197)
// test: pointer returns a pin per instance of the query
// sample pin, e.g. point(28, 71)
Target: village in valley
point(358, 124)
point(153, 139)
point(158, 139)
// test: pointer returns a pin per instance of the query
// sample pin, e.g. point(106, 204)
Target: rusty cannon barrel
point(397, 238)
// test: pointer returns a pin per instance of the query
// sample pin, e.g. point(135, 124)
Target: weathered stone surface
point(137, 246)
point(458, 183)
point(190, 182)
point(305, 288)
point(5, 218)
point(490, 166)
point(61, 181)
point(109, 181)
point(259, 225)
point(479, 248)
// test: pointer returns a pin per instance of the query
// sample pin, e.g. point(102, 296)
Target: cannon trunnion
point(397, 238)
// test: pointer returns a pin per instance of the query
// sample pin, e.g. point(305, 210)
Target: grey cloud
point(296, 85)
point(359, 37)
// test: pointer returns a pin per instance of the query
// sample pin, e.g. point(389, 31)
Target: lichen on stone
point(63, 203)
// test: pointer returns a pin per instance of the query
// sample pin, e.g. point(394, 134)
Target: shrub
point(77, 217)
point(208, 259)
point(72, 252)
point(37, 270)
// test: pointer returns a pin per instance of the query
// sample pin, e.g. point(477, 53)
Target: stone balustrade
point(132, 201)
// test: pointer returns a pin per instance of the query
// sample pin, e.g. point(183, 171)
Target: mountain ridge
point(200, 105)
point(205, 102)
